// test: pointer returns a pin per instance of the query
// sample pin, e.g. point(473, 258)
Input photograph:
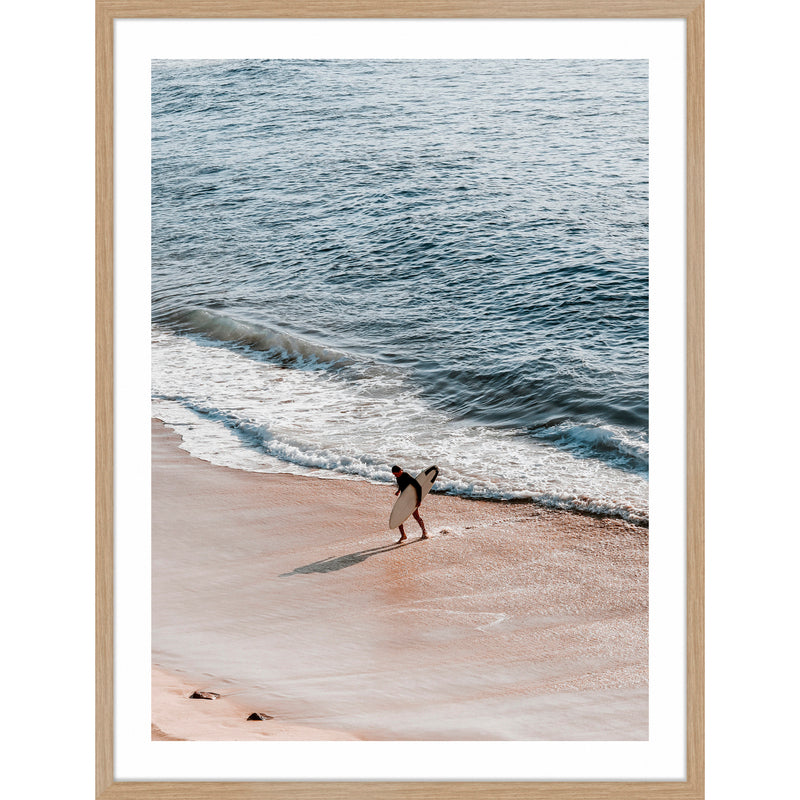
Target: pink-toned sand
point(222, 719)
point(288, 596)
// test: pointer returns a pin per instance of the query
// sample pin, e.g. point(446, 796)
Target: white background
point(47, 399)
point(662, 44)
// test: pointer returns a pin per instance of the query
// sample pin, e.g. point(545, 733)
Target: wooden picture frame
point(107, 11)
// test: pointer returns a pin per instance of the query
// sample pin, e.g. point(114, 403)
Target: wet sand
point(288, 596)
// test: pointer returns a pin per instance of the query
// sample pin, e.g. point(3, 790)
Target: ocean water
point(362, 263)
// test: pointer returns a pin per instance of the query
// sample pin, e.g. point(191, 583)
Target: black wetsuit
point(404, 480)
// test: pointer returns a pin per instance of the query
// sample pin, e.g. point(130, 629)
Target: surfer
point(403, 480)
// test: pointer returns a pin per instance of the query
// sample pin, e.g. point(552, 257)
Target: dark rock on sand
point(256, 716)
point(204, 696)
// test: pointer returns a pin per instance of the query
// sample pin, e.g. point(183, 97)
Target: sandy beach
point(287, 596)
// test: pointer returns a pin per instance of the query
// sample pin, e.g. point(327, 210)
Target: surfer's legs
point(418, 518)
point(403, 536)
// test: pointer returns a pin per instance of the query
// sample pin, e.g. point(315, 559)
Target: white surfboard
point(405, 504)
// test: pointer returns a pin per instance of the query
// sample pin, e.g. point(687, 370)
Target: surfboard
point(405, 504)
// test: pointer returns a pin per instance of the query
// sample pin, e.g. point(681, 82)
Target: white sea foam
point(242, 412)
point(626, 448)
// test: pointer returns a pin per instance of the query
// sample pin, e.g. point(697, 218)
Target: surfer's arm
point(418, 490)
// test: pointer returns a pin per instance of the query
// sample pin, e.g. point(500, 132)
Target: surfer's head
point(396, 470)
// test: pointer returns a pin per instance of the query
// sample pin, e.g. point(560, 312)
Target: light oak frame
point(691, 11)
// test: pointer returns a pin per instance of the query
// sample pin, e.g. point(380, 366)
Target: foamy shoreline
point(512, 622)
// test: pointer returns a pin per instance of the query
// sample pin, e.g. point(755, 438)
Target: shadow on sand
point(340, 562)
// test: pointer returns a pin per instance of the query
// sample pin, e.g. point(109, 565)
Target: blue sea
point(363, 263)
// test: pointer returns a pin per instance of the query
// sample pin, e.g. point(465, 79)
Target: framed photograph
point(400, 399)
